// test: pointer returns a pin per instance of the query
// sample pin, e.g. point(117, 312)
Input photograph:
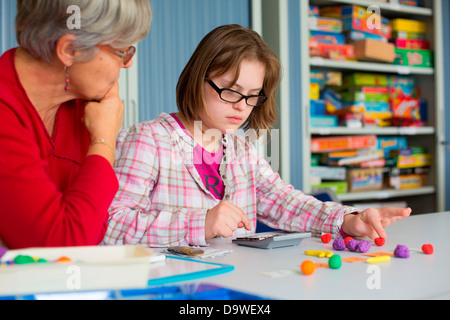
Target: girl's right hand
point(224, 219)
point(104, 120)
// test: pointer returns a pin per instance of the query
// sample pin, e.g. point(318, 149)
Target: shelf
point(385, 194)
point(368, 66)
point(397, 131)
point(294, 97)
point(389, 7)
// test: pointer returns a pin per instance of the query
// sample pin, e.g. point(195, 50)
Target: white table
point(419, 277)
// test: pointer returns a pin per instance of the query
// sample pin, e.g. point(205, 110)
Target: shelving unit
point(294, 111)
point(424, 199)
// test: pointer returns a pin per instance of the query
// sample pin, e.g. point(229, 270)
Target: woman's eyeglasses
point(125, 55)
point(233, 96)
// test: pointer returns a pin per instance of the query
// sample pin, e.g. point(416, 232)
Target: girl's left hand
point(371, 222)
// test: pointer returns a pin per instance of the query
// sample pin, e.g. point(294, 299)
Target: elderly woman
point(60, 114)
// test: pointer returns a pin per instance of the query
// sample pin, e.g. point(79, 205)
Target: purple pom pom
point(364, 246)
point(339, 244)
point(352, 245)
point(401, 251)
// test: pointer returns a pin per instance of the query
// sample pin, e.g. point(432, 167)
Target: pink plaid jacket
point(162, 201)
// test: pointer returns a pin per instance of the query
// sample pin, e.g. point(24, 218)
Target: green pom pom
point(335, 261)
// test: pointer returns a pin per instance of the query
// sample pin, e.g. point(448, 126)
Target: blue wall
point(178, 26)
point(7, 19)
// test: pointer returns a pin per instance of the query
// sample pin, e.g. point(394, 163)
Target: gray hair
point(119, 23)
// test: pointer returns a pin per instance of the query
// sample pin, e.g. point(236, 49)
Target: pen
point(188, 251)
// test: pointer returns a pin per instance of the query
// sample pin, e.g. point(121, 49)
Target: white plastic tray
point(93, 268)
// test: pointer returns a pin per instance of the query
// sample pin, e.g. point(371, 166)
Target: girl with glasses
point(191, 176)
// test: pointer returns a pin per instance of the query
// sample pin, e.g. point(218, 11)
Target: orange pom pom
point(308, 267)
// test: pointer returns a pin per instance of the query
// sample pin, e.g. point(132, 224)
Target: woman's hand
point(224, 219)
point(371, 222)
point(104, 120)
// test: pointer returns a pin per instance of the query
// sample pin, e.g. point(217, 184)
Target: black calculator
point(272, 240)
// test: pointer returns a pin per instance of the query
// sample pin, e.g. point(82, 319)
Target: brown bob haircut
point(224, 49)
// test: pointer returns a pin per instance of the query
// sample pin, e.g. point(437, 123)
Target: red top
point(51, 194)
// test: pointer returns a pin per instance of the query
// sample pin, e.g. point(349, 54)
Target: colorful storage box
point(331, 51)
point(414, 58)
point(317, 107)
point(409, 181)
point(325, 24)
point(406, 108)
point(387, 144)
point(329, 78)
point(365, 79)
point(329, 173)
point(414, 160)
point(361, 35)
point(412, 44)
point(342, 143)
point(314, 91)
point(408, 35)
point(325, 121)
point(358, 24)
point(414, 3)
point(366, 94)
point(407, 25)
point(338, 187)
point(328, 37)
point(364, 179)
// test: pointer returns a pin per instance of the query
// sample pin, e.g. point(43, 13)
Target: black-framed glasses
point(125, 55)
point(233, 96)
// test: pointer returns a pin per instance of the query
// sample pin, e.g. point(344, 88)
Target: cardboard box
point(372, 50)
point(364, 179)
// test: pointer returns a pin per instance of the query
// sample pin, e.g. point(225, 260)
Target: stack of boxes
point(411, 46)
point(351, 32)
point(326, 37)
point(365, 99)
point(366, 31)
point(364, 163)
point(348, 32)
